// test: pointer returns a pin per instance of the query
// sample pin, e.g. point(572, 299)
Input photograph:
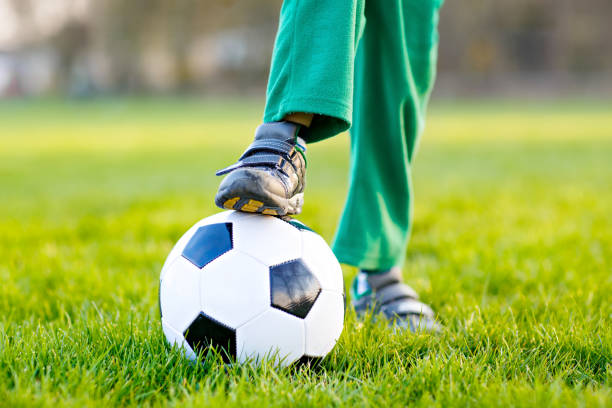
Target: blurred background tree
point(89, 47)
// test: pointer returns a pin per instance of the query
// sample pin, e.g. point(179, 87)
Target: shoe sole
point(247, 194)
point(251, 205)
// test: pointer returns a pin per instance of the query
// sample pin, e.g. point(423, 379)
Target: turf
point(512, 246)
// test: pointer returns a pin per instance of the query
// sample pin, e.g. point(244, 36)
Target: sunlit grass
point(512, 245)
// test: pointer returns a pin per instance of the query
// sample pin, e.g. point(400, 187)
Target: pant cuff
point(331, 116)
point(357, 259)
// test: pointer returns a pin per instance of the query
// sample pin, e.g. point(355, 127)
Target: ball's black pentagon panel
point(208, 243)
point(205, 332)
point(309, 361)
point(293, 288)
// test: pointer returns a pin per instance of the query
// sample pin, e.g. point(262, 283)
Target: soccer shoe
point(384, 294)
point(269, 177)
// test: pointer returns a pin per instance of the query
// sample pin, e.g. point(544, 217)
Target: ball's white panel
point(320, 259)
point(223, 216)
point(179, 294)
point(324, 324)
point(176, 338)
point(177, 250)
point(235, 288)
point(266, 238)
point(273, 335)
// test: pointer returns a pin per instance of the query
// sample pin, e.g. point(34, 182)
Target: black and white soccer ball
point(253, 286)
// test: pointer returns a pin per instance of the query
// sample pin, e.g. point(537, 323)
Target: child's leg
point(395, 67)
point(312, 73)
point(313, 64)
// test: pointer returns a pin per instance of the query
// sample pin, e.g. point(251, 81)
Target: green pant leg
point(395, 68)
point(313, 64)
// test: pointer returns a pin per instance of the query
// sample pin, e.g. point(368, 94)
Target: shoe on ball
point(384, 294)
point(269, 178)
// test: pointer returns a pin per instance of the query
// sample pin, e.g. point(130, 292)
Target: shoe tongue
point(284, 131)
point(378, 279)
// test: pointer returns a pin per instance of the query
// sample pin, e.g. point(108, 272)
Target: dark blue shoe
point(386, 295)
point(270, 176)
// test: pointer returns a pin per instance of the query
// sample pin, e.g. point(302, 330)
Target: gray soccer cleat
point(385, 294)
point(269, 178)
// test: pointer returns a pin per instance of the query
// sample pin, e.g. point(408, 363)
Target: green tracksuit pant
point(367, 65)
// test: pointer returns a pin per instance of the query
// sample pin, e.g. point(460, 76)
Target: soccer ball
point(253, 286)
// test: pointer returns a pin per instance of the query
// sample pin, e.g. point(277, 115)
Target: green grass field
point(512, 246)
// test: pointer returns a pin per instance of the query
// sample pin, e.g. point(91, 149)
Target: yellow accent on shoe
point(229, 204)
point(269, 211)
point(252, 206)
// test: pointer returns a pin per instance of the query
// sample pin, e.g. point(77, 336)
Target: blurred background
point(82, 48)
point(115, 115)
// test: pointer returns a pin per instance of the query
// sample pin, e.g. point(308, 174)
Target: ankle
point(300, 118)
